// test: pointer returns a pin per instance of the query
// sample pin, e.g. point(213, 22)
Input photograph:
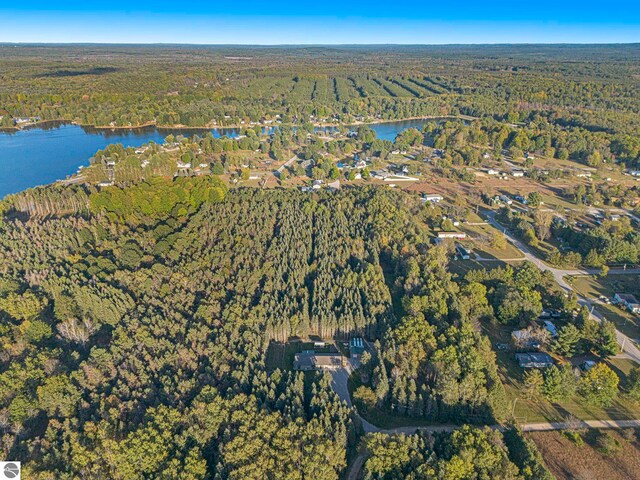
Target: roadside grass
point(484, 248)
point(592, 287)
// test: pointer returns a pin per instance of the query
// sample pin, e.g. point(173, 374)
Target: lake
point(44, 154)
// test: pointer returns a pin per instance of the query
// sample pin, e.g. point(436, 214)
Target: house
point(551, 328)
point(310, 360)
point(506, 199)
point(517, 173)
point(491, 171)
point(454, 222)
point(463, 253)
point(534, 360)
point(356, 347)
point(23, 120)
point(528, 155)
point(583, 175)
point(458, 235)
point(524, 339)
point(432, 197)
point(317, 184)
point(627, 300)
point(360, 164)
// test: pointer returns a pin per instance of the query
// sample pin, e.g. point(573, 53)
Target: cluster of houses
point(514, 173)
point(530, 340)
point(25, 120)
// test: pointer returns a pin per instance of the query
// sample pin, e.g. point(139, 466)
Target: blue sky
point(326, 22)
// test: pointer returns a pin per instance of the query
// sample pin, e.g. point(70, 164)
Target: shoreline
point(40, 124)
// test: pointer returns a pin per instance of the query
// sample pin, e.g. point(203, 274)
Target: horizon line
point(3, 43)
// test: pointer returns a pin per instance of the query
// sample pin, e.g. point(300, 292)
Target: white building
point(432, 197)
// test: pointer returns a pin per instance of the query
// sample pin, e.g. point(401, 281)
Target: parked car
point(587, 365)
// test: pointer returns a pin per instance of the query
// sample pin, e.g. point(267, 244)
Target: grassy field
point(606, 454)
point(593, 287)
point(484, 247)
point(280, 355)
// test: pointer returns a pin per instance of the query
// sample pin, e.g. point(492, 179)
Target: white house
point(458, 235)
point(432, 197)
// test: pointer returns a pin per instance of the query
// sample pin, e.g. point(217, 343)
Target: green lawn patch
point(592, 287)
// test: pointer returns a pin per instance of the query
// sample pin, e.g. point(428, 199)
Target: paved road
point(559, 276)
point(339, 383)
point(286, 164)
point(546, 426)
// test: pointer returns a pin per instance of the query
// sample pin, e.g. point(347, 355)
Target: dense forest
point(576, 102)
point(136, 323)
point(467, 453)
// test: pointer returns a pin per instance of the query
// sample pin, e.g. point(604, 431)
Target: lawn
point(281, 355)
point(592, 287)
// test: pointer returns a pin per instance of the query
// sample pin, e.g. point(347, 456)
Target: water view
point(37, 156)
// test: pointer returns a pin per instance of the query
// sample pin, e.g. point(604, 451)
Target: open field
point(568, 461)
